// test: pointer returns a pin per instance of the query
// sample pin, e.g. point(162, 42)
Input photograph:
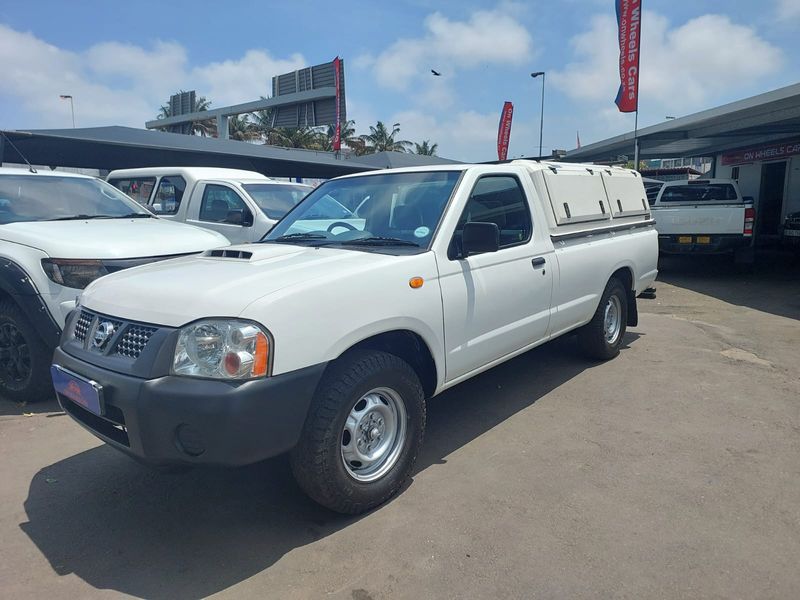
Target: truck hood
point(111, 238)
point(179, 291)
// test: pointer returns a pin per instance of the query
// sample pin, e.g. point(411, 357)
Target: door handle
point(538, 261)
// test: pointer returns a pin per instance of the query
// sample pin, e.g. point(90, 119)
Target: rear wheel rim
point(15, 356)
point(612, 320)
point(374, 434)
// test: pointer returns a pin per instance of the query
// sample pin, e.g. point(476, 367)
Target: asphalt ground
point(672, 471)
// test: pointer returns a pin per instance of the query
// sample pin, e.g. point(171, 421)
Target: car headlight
point(73, 273)
point(222, 349)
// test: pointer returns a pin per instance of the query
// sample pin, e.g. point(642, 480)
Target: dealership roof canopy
point(757, 120)
point(126, 147)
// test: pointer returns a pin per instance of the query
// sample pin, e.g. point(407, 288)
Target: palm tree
point(347, 135)
point(297, 137)
point(205, 127)
point(380, 139)
point(261, 121)
point(426, 148)
point(240, 128)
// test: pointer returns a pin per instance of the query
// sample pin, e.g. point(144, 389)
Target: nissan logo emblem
point(103, 333)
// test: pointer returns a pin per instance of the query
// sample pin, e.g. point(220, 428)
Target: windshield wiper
point(380, 241)
point(85, 217)
point(293, 237)
point(75, 218)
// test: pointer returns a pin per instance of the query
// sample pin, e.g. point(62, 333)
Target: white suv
point(58, 233)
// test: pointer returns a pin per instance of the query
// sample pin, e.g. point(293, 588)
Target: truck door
point(219, 207)
point(497, 302)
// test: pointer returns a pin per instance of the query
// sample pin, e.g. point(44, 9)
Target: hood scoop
point(223, 253)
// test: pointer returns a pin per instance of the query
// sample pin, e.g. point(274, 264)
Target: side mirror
point(247, 218)
point(478, 238)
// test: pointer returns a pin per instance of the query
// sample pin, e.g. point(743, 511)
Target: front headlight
point(73, 273)
point(222, 349)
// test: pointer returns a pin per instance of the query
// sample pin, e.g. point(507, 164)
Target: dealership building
point(755, 141)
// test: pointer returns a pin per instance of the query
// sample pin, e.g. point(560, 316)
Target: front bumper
point(180, 420)
point(717, 244)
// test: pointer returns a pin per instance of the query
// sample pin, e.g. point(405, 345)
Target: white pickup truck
point(327, 338)
point(706, 216)
point(59, 232)
point(241, 205)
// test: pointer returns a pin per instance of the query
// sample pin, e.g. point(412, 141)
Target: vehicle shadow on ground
point(120, 526)
point(772, 285)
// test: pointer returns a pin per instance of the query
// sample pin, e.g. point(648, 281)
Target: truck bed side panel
point(587, 263)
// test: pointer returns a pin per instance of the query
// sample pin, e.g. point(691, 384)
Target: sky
point(122, 60)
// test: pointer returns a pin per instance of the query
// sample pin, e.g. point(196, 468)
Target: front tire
point(24, 358)
point(362, 434)
point(601, 338)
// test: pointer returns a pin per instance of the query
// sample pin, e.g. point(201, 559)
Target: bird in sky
point(436, 73)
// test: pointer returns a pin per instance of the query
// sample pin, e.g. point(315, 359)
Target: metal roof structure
point(126, 147)
point(394, 160)
point(756, 120)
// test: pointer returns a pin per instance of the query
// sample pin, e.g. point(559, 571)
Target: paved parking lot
point(672, 471)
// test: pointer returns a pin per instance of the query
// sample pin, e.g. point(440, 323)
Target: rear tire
point(24, 358)
point(362, 434)
point(601, 338)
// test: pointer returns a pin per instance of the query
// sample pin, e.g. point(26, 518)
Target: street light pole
point(71, 106)
point(541, 116)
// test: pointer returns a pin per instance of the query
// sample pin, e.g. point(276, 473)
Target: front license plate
point(703, 239)
point(791, 232)
point(685, 239)
point(83, 392)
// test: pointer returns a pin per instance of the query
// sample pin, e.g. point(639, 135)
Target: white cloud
point(121, 84)
point(683, 68)
point(466, 135)
point(788, 9)
point(486, 37)
point(234, 81)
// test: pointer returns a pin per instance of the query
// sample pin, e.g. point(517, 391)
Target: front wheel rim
point(374, 434)
point(612, 320)
point(15, 357)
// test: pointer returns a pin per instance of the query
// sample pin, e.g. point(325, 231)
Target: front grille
point(127, 340)
point(134, 340)
point(82, 326)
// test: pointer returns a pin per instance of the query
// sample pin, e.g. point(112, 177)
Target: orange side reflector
point(416, 282)
point(262, 356)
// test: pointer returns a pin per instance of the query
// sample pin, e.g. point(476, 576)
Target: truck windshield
point(386, 209)
point(54, 198)
point(699, 192)
point(275, 200)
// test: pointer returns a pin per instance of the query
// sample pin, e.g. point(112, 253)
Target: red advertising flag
point(337, 134)
point(629, 21)
point(504, 131)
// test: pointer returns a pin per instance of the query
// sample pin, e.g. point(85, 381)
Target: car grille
point(134, 340)
point(82, 326)
point(128, 340)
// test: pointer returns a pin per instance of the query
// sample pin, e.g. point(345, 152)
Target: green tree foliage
point(426, 148)
point(381, 139)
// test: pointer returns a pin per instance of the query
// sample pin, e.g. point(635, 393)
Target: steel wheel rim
point(374, 434)
point(612, 320)
point(15, 356)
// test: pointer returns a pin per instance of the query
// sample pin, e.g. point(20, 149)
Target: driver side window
point(221, 204)
point(497, 199)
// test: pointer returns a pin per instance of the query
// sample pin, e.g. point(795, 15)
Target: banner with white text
point(629, 20)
